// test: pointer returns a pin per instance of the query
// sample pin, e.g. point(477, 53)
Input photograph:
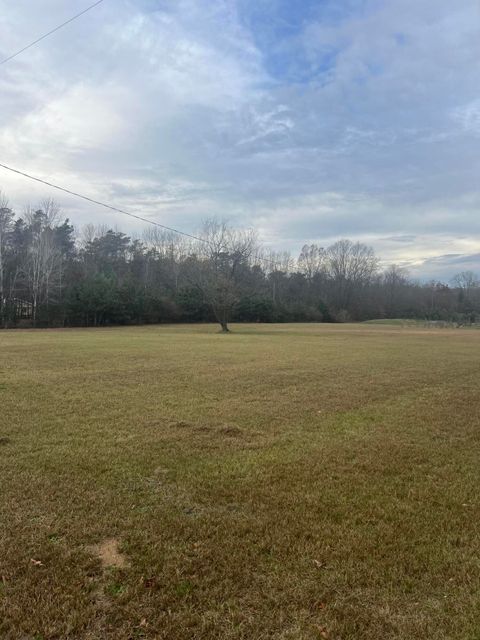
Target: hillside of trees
point(52, 276)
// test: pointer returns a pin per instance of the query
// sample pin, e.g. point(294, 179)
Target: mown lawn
point(284, 481)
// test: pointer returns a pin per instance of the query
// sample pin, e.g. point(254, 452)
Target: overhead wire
point(118, 209)
point(49, 33)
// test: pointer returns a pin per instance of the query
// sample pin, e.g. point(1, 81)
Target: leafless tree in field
point(217, 268)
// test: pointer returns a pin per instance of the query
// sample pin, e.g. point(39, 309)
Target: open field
point(284, 481)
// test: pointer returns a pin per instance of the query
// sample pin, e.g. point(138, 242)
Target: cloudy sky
point(309, 120)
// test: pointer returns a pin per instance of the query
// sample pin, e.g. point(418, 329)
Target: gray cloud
point(443, 267)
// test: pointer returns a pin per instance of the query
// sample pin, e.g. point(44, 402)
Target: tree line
point(51, 276)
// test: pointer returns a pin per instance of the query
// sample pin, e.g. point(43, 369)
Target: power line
point(60, 26)
point(118, 210)
point(101, 204)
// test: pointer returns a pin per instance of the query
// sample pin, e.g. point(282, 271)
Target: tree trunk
point(34, 311)
point(224, 326)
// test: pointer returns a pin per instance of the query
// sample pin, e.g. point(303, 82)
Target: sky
point(308, 120)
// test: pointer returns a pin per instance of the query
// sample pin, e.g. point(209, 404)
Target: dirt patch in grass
point(222, 429)
point(232, 432)
point(109, 554)
point(214, 436)
point(181, 424)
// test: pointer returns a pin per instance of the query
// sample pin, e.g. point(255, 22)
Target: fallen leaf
point(149, 583)
point(37, 563)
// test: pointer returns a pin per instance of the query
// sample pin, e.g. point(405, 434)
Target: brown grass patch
point(109, 554)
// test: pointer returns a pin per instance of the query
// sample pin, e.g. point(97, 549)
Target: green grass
point(284, 481)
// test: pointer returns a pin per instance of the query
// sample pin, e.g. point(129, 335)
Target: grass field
point(284, 481)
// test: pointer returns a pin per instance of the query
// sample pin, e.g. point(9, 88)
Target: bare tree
point(280, 261)
point(311, 260)
point(42, 268)
point(91, 232)
point(466, 280)
point(394, 280)
point(277, 265)
point(350, 267)
point(171, 246)
point(51, 210)
point(6, 223)
point(468, 285)
point(216, 268)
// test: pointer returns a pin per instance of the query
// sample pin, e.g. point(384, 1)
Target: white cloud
point(81, 119)
point(468, 116)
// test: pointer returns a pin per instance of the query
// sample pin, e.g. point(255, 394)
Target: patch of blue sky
point(297, 68)
point(286, 17)
point(278, 26)
point(152, 6)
